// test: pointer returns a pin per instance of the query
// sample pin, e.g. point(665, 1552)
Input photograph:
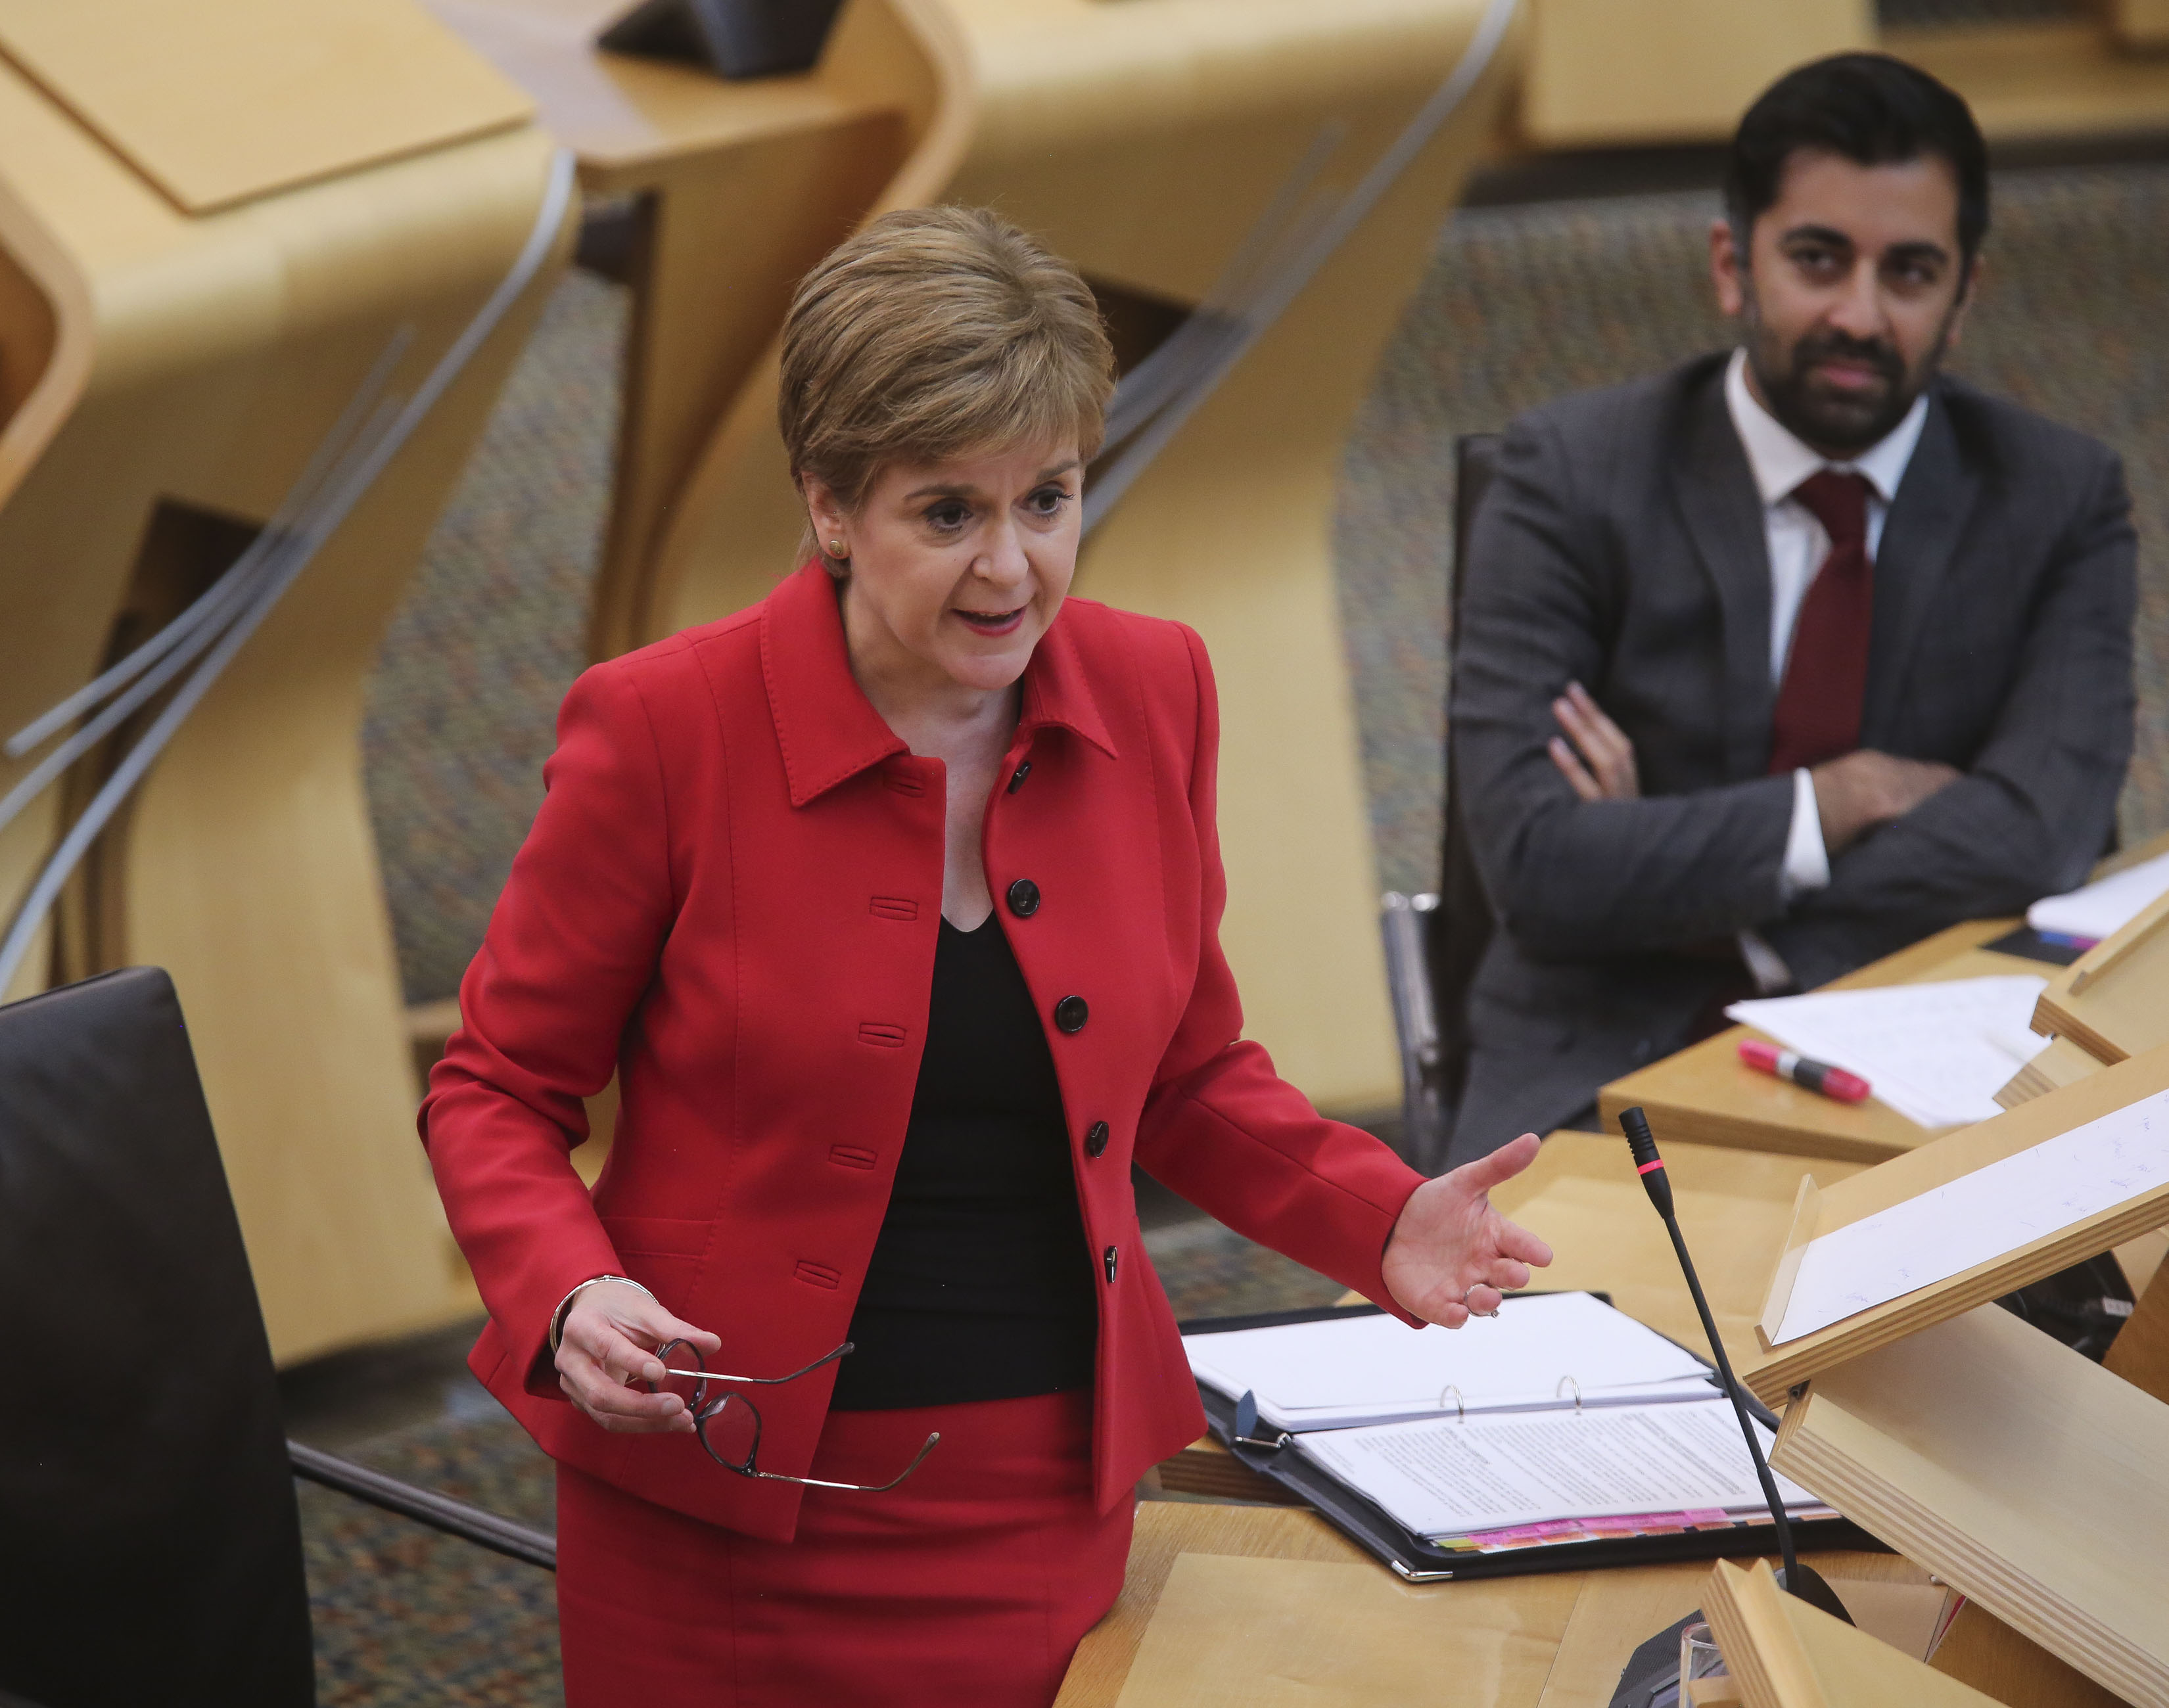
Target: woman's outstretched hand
point(609, 1340)
point(1452, 1254)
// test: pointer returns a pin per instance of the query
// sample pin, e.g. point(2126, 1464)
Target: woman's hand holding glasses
point(608, 1340)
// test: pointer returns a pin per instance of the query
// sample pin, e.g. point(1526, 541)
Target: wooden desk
point(1705, 1094)
point(1554, 1641)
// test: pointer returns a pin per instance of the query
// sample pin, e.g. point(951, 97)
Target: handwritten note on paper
point(1980, 1216)
point(1936, 1053)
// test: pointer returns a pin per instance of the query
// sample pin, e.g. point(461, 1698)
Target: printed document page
point(1540, 1350)
point(1445, 1477)
point(1980, 1216)
point(1936, 1053)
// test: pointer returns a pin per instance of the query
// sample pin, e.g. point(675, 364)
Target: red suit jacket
point(730, 898)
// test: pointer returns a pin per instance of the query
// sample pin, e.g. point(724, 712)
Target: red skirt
point(971, 1582)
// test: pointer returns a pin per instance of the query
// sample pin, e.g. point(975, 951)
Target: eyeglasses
point(728, 1424)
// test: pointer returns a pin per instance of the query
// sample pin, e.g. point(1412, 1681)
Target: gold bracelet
point(565, 1304)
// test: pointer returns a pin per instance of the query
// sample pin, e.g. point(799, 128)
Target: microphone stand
point(1801, 1581)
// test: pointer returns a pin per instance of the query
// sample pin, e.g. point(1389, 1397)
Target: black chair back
point(1459, 929)
point(147, 1517)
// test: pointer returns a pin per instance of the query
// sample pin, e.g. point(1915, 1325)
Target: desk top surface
point(1705, 1093)
point(1582, 1196)
point(1555, 1641)
point(631, 120)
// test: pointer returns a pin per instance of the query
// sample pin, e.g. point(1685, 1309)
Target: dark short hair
point(1870, 109)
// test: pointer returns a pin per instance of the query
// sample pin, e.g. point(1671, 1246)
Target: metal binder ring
point(1460, 1410)
point(1565, 1383)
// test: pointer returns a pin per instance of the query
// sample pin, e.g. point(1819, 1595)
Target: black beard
point(1833, 422)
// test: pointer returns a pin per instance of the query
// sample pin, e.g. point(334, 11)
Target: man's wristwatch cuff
point(565, 1304)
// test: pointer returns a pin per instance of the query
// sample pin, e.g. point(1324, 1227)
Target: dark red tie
point(1827, 675)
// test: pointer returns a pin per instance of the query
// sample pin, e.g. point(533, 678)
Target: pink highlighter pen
point(1816, 1076)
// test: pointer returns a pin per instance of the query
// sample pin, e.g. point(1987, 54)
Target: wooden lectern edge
point(2112, 949)
point(1925, 1537)
point(1865, 1330)
point(1950, 1455)
point(1807, 1210)
point(2065, 1023)
point(1784, 1653)
point(1937, 1163)
point(1918, 1534)
point(2061, 1062)
point(1761, 1648)
point(2052, 1010)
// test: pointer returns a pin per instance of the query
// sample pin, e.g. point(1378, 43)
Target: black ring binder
point(1415, 1560)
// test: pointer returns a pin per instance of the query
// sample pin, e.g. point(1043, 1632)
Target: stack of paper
point(1450, 1478)
point(1541, 1351)
point(2103, 908)
point(1936, 1053)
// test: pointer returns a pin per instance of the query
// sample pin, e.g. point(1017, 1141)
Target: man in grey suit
point(1773, 664)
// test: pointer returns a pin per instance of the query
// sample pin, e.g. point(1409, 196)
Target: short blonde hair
point(932, 333)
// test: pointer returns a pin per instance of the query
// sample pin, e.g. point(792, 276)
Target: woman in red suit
point(892, 902)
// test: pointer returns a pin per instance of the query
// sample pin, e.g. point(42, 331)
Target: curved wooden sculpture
point(1146, 141)
point(216, 216)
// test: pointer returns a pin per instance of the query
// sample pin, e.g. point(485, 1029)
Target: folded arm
point(2033, 809)
point(1574, 877)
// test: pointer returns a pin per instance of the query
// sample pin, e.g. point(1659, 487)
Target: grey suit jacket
point(1622, 544)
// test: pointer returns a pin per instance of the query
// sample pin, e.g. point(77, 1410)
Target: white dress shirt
point(1798, 546)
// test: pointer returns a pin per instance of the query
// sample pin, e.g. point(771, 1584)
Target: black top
point(981, 1286)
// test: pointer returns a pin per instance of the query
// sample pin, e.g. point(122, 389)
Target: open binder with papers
point(1559, 1436)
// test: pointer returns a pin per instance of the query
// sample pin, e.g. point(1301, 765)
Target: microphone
point(1801, 1581)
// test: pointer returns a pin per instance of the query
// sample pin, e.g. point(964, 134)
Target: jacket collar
point(828, 729)
point(1718, 496)
point(1780, 461)
point(1928, 518)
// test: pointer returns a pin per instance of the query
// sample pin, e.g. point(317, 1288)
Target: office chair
point(147, 1515)
point(1434, 943)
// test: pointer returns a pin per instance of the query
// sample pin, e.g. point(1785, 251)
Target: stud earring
point(836, 549)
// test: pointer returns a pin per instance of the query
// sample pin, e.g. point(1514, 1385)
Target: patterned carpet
point(405, 1618)
point(460, 713)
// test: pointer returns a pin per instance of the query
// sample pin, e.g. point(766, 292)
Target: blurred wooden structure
point(732, 190)
point(1783, 1653)
point(1634, 73)
point(2112, 1001)
point(214, 216)
point(1604, 73)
